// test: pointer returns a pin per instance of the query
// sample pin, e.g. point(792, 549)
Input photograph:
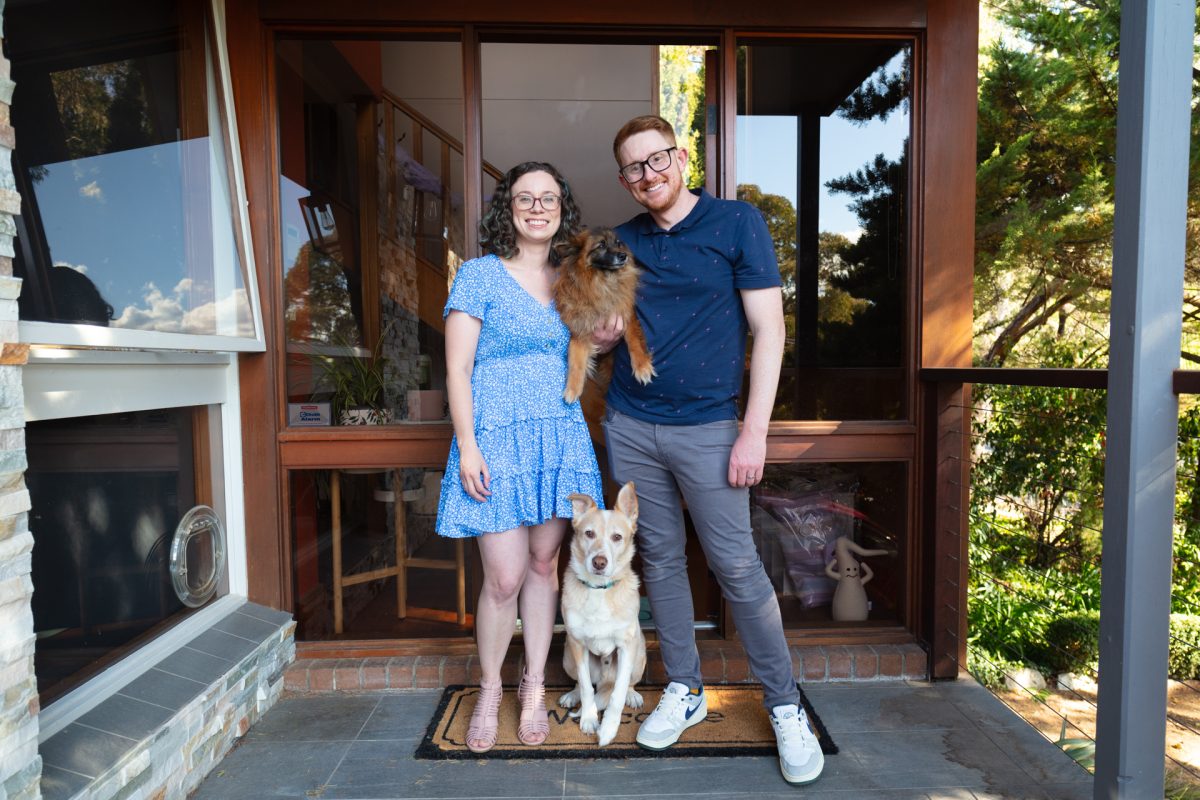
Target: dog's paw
point(608, 730)
point(570, 396)
point(589, 721)
point(633, 699)
point(570, 699)
point(645, 374)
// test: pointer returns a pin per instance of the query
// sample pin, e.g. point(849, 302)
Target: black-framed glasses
point(524, 202)
point(658, 162)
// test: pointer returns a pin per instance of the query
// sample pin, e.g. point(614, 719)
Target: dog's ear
point(581, 504)
point(627, 502)
point(564, 251)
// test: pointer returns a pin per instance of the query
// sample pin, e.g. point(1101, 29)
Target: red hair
point(647, 122)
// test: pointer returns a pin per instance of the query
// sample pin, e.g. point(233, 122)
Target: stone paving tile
point(266, 770)
point(163, 689)
point(402, 716)
point(887, 708)
point(324, 718)
point(246, 626)
point(83, 750)
point(1043, 764)
point(933, 759)
point(1064, 791)
point(222, 645)
point(188, 663)
point(59, 784)
point(915, 741)
point(703, 777)
point(387, 770)
point(124, 716)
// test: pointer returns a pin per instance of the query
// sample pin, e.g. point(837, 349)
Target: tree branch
point(1034, 313)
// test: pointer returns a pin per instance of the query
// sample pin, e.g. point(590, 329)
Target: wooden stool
point(403, 561)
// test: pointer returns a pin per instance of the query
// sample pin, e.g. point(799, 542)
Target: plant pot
point(426, 404)
point(365, 415)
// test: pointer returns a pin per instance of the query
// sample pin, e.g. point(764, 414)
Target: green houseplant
point(357, 384)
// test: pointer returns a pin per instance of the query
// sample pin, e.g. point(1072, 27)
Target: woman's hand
point(473, 472)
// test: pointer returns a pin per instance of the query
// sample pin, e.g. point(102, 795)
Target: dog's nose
point(599, 563)
point(620, 258)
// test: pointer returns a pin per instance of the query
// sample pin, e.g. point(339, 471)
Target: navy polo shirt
point(691, 310)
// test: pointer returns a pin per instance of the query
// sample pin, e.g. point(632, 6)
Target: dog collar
point(608, 585)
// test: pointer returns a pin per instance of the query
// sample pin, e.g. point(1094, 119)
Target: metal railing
point(1032, 443)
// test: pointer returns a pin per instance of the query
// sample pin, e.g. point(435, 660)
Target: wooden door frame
point(941, 189)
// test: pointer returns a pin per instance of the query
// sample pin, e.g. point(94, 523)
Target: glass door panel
point(368, 563)
point(371, 209)
point(823, 132)
point(800, 511)
point(566, 112)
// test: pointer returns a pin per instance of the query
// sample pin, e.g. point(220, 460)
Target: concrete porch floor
point(898, 741)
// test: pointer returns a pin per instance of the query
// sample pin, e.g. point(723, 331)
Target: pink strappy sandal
point(485, 719)
point(535, 723)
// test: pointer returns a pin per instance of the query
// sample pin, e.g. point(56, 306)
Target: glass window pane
point(370, 521)
point(800, 511)
point(372, 216)
point(567, 114)
point(127, 217)
point(822, 150)
point(107, 494)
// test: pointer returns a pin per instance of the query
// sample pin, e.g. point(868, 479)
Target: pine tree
point(1045, 181)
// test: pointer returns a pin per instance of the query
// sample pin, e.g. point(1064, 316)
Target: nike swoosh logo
point(691, 712)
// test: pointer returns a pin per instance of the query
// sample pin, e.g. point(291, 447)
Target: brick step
point(720, 662)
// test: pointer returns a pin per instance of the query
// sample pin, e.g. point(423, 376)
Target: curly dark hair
point(496, 232)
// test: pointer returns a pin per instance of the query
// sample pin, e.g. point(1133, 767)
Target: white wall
point(543, 102)
point(427, 76)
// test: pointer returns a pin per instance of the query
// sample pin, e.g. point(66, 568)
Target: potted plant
point(358, 385)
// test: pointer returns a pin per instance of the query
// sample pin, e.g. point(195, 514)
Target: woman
point(519, 450)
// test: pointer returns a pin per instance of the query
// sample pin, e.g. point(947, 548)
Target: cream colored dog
point(600, 605)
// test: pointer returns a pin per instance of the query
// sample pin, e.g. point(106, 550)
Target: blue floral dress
point(536, 446)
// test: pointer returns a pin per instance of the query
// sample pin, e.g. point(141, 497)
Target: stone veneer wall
point(172, 761)
point(20, 765)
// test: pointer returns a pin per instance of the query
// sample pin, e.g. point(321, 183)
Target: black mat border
point(428, 751)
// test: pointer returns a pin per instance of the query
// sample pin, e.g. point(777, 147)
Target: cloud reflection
point(169, 313)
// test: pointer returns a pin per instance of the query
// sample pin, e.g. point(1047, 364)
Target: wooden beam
point(672, 15)
point(260, 374)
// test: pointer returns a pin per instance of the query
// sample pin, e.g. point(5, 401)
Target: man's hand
point(605, 337)
point(746, 459)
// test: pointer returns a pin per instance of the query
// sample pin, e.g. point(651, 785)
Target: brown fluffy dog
point(597, 278)
point(606, 651)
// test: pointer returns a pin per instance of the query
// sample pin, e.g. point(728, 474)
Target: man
point(709, 274)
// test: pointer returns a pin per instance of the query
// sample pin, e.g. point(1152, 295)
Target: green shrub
point(989, 669)
point(1183, 653)
point(1073, 642)
point(1074, 645)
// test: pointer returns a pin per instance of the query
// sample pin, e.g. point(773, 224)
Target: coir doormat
point(737, 725)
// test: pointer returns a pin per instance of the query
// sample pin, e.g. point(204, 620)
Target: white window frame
point(75, 335)
point(68, 383)
point(74, 371)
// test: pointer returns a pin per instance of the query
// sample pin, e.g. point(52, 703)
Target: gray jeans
point(665, 461)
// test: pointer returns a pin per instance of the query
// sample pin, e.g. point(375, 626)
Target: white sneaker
point(677, 711)
point(800, 756)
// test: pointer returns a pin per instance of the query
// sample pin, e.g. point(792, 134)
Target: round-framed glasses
point(524, 202)
point(657, 161)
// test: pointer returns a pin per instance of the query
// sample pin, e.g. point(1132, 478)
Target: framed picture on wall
point(321, 223)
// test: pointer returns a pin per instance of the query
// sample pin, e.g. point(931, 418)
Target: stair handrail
point(427, 124)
